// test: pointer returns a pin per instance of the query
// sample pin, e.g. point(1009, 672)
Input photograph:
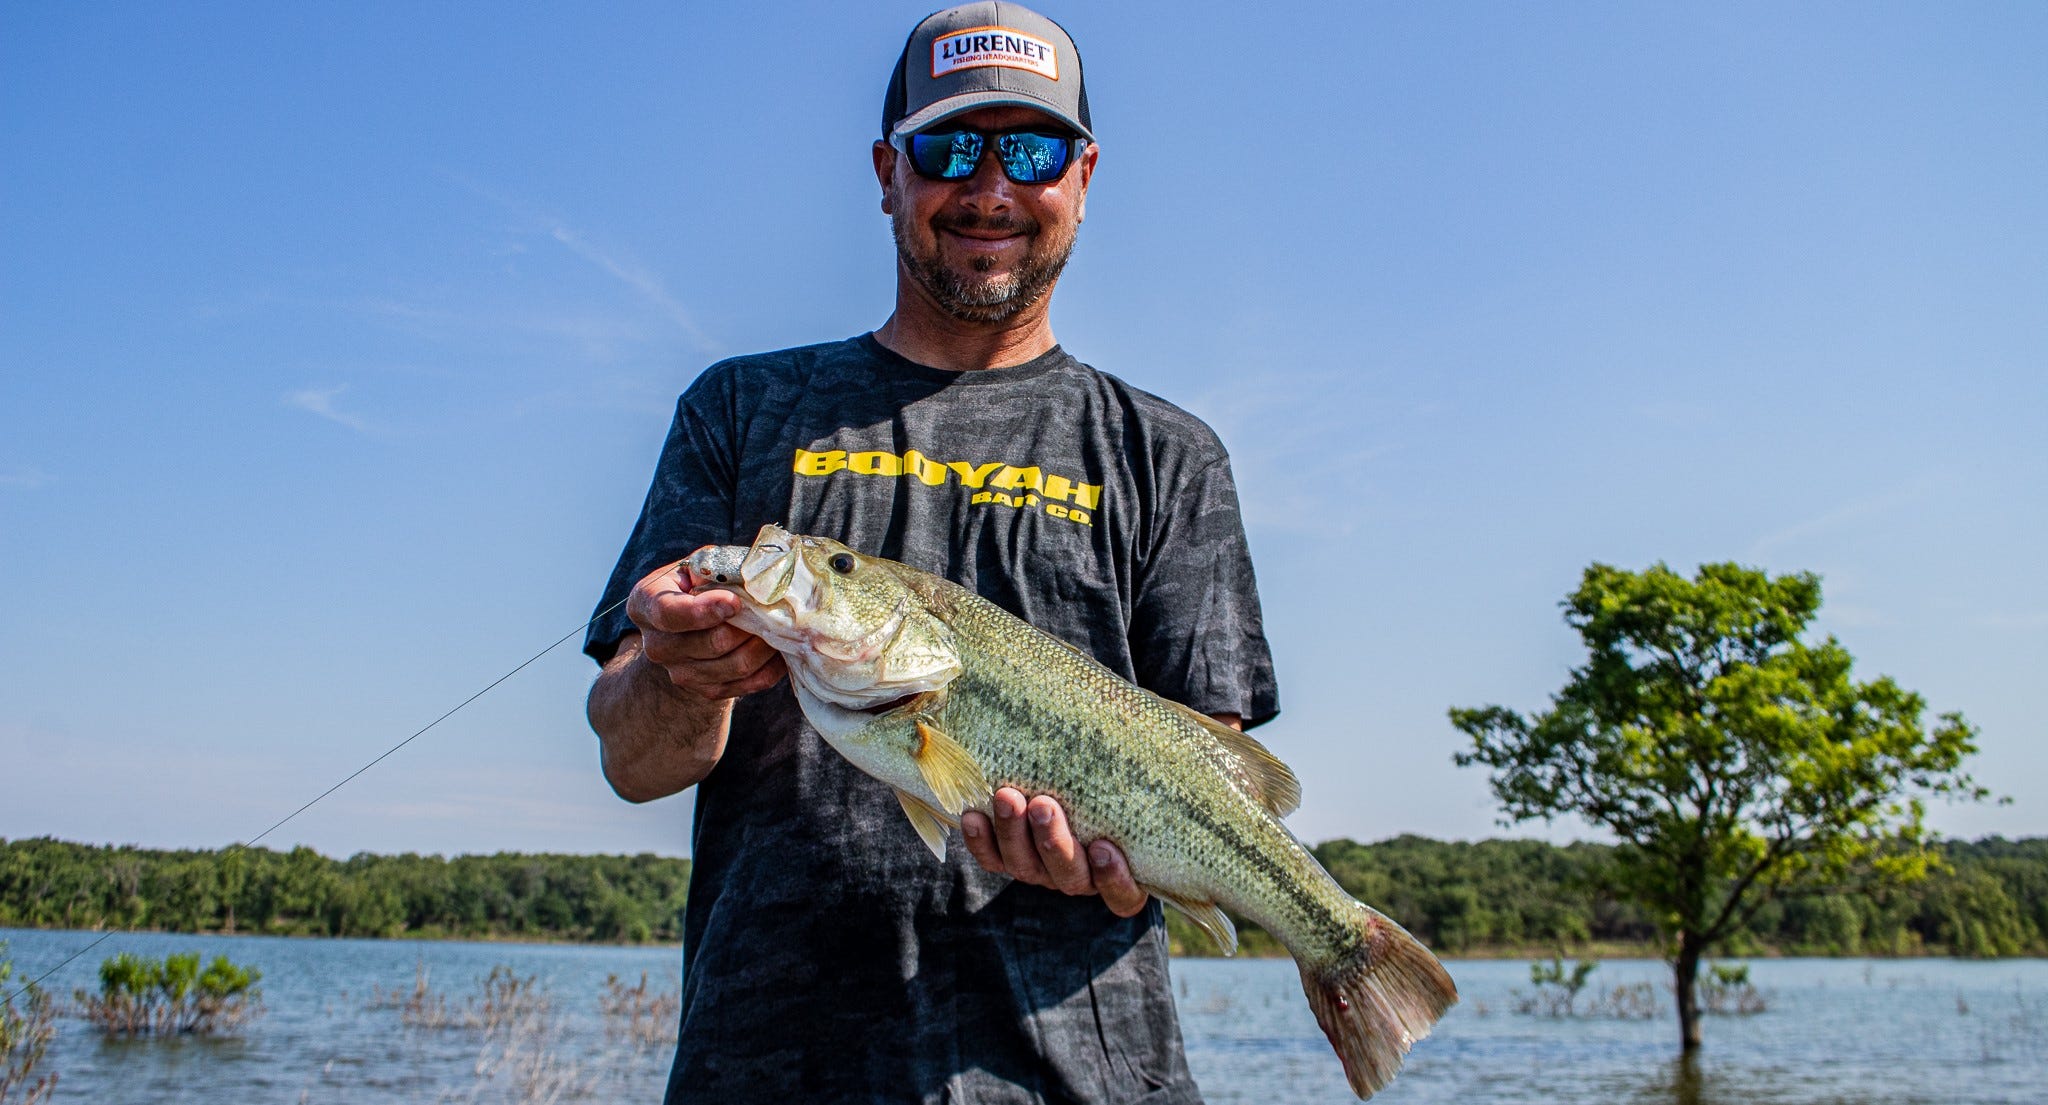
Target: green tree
point(1733, 761)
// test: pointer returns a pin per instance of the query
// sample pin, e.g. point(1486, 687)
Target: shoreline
point(1594, 951)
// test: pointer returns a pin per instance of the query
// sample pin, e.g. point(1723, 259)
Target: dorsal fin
point(1256, 771)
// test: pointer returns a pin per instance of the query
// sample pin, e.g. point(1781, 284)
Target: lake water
point(1835, 1031)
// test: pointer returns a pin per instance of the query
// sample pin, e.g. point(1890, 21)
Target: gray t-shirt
point(828, 956)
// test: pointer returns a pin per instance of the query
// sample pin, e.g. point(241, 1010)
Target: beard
point(991, 299)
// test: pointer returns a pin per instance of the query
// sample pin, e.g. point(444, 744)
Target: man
point(828, 956)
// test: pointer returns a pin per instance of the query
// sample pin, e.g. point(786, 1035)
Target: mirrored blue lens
point(1032, 158)
point(1027, 157)
point(949, 155)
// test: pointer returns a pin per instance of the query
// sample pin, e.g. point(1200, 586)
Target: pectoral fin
point(930, 827)
point(1209, 916)
point(949, 769)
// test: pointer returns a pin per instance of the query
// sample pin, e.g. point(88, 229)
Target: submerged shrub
point(1727, 991)
point(171, 996)
point(642, 1015)
point(25, 1033)
point(423, 1007)
point(503, 997)
point(521, 1058)
point(1558, 988)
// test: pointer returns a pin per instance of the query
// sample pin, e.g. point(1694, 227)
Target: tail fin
point(1378, 1000)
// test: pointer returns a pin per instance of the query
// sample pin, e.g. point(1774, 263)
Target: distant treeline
point(1492, 896)
point(1530, 895)
point(47, 883)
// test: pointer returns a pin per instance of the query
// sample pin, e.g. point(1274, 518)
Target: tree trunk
point(1685, 971)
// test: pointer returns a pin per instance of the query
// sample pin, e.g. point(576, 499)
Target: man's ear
point(885, 173)
point(1087, 169)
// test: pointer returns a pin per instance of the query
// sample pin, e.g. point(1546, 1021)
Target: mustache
point(1000, 224)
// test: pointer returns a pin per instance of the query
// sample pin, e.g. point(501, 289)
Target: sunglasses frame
point(1075, 145)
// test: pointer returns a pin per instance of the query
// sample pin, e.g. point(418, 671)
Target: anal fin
point(931, 828)
point(1208, 915)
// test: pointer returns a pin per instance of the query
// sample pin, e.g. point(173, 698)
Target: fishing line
point(240, 846)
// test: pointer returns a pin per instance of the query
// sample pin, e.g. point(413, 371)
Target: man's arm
point(654, 737)
point(663, 704)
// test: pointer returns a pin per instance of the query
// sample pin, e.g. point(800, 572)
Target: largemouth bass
point(945, 696)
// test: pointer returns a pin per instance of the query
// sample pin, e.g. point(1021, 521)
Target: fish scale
point(945, 697)
point(1106, 774)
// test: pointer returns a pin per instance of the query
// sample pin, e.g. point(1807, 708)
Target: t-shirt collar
point(896, 365)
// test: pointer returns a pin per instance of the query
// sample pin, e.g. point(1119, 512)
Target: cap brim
point(968, 101)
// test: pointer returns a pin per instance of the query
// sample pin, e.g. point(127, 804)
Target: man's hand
point(1031, 842)
point(686, 635)
point(663, 704)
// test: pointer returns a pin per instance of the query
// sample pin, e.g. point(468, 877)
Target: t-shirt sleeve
point(1197, 635)
point(689, 504)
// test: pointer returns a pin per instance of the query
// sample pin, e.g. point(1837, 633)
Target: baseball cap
point(983, 55)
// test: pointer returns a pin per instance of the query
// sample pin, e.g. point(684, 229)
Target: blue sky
point(337, 342)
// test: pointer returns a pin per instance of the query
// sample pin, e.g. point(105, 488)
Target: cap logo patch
point(980, 46)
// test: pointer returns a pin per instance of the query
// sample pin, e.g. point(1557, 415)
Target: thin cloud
point(320, 401)
point(1852, 511)
point(639, 279)
point(626, 270)
point(28, 477)
point(1297, 464)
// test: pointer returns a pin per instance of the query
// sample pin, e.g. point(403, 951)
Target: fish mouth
point(889, 704)
point(770, 574)
point(833, 657)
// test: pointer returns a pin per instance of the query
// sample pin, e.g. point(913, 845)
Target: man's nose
point(989, 189)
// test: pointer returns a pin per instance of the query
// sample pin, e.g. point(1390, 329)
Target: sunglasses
point(1027, 156)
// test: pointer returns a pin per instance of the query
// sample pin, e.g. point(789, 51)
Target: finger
point(752, 667)
point(682, 612)
point(703, 644)
point(770, 674)
point(1120, 892)
point(662, 602)
point(1013, 838)
point(651, 588)
point(1064, 861)
point(981, 841)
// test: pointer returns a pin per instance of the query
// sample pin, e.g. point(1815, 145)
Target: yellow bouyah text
point(995, 483)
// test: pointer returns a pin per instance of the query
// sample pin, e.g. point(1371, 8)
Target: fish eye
point(842, 563)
